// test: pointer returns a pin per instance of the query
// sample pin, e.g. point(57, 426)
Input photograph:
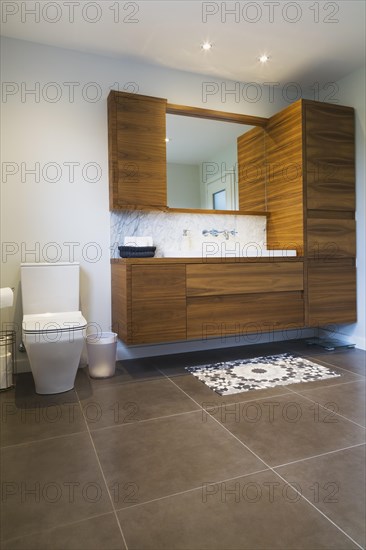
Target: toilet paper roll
point(6, 297)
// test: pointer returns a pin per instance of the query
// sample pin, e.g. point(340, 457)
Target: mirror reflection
point(202, 163)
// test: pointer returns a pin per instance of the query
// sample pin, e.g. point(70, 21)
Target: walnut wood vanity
point(304, 157)
point(168, 299)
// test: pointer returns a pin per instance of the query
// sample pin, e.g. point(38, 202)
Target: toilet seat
point(69, 321)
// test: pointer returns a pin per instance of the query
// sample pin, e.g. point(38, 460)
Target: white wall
point(352, 92)
point(183, 185)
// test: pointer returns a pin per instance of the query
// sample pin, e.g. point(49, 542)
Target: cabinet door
point(284, 183)
point(137, 151)
point(331, 238)
point(158, 304)
point(331, 292)
point(330, 157)
point(252, 171)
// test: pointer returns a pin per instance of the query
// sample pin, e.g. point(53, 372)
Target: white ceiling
point(325, 41)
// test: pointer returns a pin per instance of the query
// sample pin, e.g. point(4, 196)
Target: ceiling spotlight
point(206, 46)
point(167, 139)
point(264, 58)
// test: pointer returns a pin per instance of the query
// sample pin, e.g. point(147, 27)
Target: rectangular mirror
point(202, 163)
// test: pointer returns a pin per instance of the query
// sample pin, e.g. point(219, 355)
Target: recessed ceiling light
point(206, 46)
point(264, 58)
point(167, 139)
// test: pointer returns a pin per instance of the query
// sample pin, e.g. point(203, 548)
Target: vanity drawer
point(220, 316)
point(158, 282)
point(225, 279)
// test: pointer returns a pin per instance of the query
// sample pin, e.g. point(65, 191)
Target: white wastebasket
point(102, 348)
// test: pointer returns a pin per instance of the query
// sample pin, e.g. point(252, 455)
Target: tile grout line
point(332, 385)
point(274, 471)
point(199, 409)
point(102, 473)
point(190, 490)
point(124, 424)
point(41, 440)
point(320, 455)
point(59, 525)
point(323, 407)
point(362, 376)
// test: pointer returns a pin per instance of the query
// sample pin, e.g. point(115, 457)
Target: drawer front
point(227, 279)
point(156, 321)
point(158, 282)
point(252, 313)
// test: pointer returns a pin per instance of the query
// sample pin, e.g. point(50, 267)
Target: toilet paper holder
point(7, 359)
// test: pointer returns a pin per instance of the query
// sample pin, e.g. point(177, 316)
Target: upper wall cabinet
point(137, 151)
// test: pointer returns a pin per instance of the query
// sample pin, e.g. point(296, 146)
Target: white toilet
point(53, 327)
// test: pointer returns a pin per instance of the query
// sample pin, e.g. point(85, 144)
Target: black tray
point(137, 251)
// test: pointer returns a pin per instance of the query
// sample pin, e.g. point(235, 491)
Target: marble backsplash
point(170, 235)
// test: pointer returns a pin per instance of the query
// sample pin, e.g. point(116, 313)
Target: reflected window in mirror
point(219, 200)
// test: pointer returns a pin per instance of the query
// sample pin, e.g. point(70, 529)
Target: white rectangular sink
point(228, 249)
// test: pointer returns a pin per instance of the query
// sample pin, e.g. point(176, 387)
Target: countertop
point(217, 260)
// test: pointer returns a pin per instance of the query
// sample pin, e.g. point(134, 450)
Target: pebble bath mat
point(241, 375)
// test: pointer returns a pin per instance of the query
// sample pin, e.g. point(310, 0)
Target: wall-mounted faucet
point(215, 233)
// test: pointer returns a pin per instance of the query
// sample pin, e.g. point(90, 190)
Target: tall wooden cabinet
point(329, 180)
point(309, 186)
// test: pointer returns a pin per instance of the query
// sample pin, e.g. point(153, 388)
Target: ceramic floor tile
point(353, 360)
point(148, 460)
point(334, 483)
point(286, 428)
point(126, 372)
point(27, 416)
point(50, 482)
point(344, 376)
point(124, 403)
point(345, 399)
point(93, 534)
point(254, 512)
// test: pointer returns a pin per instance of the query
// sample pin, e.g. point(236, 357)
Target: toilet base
point(54, 364)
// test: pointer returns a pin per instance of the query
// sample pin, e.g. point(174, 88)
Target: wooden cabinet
point(331, 292)
point(243, 298)
point(148, 303)
point(172, 301)
point(310, 190)
point(252, 171)
point(300, 169)
point(137, 151)
point(329, 205)
point(284, 179)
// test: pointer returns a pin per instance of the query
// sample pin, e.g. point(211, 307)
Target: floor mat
point(256, 373)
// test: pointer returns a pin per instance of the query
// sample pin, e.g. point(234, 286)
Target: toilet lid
point(54, 322)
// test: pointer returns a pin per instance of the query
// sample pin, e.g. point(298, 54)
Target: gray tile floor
point(153, 459)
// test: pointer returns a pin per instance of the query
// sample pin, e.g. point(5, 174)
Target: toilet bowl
point(53, 327)
point(54, 343)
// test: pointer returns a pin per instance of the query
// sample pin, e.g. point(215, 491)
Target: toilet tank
point(49, 288)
